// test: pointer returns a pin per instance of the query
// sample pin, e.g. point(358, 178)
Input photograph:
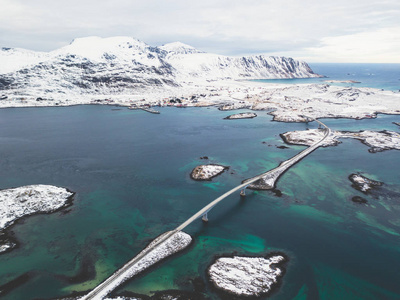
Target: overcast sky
point(312, 30)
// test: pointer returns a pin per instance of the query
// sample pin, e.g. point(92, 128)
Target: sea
point(379, 76)
point(131, 174)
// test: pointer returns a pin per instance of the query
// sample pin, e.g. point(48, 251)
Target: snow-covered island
point(362, 183)
point(23, 201)
point(207, 172)
point(376, 140)
point(247, 276)
point(247, 115)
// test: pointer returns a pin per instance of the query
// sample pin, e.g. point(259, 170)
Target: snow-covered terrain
point(125, 71)
point(123, 66)
point(376, 140)
point(246, 276)
point(23, 201)
point(206, 172)
point(20, 202)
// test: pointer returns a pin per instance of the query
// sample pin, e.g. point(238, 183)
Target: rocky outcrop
point(247, 115)
point(247, 276)
point(27, 200)
point(207, 172)
point(20, 202)
point(363, 183)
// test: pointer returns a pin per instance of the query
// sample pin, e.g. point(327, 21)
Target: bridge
point(270, 178)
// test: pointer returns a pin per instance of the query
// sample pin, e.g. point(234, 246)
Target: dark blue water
point(131, 169)
point(380, 76)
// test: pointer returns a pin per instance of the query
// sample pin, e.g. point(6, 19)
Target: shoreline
point(7, 234)
point(284, 102)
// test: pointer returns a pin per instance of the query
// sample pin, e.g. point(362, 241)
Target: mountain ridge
point(115, 65)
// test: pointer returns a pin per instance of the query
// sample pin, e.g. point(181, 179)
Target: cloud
point(233, 27)
point(381, 45)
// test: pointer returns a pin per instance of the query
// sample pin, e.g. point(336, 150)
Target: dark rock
point(358, 199)
point(363, 183)
point(277, 192)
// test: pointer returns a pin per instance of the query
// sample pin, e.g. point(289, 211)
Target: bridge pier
point(205, 217)
point(243, 191)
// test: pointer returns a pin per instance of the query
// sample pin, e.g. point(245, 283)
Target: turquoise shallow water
point(130, 170)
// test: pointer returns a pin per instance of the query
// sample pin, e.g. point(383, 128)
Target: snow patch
point(246, 276)
point(206, 172)
point(27, 200)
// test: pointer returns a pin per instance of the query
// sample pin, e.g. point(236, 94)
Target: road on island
point(103, 289)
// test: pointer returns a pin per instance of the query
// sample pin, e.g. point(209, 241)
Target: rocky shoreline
point(377, 140)
point(19, 203)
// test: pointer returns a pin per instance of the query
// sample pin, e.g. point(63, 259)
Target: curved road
point(103, 289)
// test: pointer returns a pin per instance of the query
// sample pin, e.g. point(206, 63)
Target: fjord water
point(130, 171)
point(380, 76)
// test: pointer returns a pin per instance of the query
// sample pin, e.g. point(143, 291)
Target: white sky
point(312, 30)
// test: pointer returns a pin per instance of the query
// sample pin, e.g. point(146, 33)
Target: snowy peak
point(179, 48)
point(97, 48)
point(118, 65)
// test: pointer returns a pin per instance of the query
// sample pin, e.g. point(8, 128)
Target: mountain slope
point(121, 65)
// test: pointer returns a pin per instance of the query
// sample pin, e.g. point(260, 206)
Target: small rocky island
point(248, 115)
point(20, 202)
point(363, 183)
point(207, 172)
point(247, 276)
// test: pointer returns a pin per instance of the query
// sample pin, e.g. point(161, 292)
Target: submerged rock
point(206, 172)
point(358, 199)
point(363, 183)
point(246, 276)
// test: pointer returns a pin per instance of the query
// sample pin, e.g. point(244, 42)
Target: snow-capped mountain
point(122, 64)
